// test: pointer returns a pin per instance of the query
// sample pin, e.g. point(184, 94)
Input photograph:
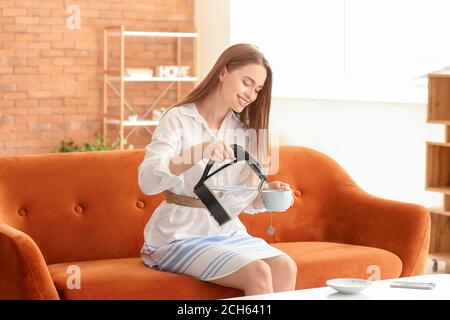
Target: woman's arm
point(187, 158)
point(217, 150)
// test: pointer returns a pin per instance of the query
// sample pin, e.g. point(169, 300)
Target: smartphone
point(413, 285)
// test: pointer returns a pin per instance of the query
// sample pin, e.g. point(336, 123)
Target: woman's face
point(240, 87)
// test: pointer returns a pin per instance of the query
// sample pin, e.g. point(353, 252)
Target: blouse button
point(140, 204)
point(78, 209)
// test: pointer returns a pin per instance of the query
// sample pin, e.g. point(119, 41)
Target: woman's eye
point(245, 83)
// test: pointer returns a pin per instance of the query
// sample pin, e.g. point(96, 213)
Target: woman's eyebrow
point(251, 79)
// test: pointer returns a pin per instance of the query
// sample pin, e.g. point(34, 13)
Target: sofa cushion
point(129, 278)
point(318, 262)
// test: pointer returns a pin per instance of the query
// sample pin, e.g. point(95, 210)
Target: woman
point(181, 236)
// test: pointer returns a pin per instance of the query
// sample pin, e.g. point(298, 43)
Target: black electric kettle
point(207, 197)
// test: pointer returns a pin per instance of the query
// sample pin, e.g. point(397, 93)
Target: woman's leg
point(284, 273)
point(254, 278)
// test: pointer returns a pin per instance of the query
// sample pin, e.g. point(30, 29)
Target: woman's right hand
point(217, 150)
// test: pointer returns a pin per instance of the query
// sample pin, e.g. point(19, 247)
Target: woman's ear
point(223, 73)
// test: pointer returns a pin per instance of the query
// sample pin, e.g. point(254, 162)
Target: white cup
point(276, 199)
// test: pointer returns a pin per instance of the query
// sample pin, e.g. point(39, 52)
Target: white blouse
point(180, 128)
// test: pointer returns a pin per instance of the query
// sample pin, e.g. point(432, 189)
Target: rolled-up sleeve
point(154, 175)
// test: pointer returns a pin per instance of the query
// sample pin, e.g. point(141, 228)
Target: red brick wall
point(51, 80)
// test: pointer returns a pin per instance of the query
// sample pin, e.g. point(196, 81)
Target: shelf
point(438, 167)
point(149, 78)
point(443, 74)
point(438, 98)
point(440, 256)
point(116, 76)
point(445, 190)
point(444, 122)
point(138, 123)
point(439, 144)
point(155, 34)
point(440, 211)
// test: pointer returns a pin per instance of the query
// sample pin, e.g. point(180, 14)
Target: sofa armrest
point(357, 217)
point(23, 270)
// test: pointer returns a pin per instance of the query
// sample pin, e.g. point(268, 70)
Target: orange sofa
point(83, 215)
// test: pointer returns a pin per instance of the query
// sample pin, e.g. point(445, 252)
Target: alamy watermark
point(374, 271)
point(74, 278)
point(255, 144)
point(74, 20)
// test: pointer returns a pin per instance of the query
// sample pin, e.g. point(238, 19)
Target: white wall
point(212, 19)
point(347, 49)
point(381, 145)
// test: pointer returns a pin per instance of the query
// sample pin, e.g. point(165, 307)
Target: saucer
point(348, 285)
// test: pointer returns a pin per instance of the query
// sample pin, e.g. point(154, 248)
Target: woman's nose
point(250, 94)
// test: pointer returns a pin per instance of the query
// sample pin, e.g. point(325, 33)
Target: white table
point(378, 290)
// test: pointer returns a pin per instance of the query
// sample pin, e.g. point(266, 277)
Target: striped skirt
point(208, 257)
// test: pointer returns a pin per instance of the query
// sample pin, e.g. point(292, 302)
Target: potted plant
point(132, 116)
point(100, 144)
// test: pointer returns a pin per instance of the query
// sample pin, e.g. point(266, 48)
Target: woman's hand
point(258, 203)
point(217, 150)
point(278, 185)
point(281, 185)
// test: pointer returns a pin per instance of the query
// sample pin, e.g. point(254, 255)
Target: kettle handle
point(240, 154)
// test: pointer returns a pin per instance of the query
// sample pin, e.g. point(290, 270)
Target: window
point(347, 49)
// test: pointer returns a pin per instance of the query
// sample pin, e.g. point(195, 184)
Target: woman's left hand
point(281, 185)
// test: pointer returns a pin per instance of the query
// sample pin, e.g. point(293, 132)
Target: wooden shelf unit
point(438, 166)
point(111, 75)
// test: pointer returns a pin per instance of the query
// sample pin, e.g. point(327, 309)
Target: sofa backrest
point(314, 179)
point(88, 205)
point(77, 206)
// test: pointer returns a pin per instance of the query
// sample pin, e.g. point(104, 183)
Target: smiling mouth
point(242, 101)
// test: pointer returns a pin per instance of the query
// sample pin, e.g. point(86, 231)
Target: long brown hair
point(254, 116)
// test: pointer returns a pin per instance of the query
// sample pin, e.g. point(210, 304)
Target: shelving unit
point(111, 76)
point(438, 167)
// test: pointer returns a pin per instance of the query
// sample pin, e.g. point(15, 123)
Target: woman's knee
point(259, 276)
point(260, 269)
point(285, 265)
point(256, 274)
point(291, 265)
point(284, 273)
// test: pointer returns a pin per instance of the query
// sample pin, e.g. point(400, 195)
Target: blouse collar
point(191, 110)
